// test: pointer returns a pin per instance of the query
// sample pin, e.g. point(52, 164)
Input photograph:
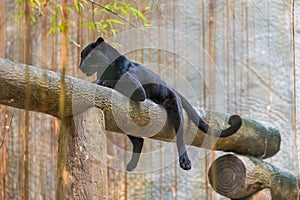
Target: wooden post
point(82, 169)
point(240, 177)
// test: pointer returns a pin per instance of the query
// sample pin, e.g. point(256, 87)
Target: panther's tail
point(234, 121)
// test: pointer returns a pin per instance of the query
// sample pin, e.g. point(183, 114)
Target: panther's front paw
point(185, 162)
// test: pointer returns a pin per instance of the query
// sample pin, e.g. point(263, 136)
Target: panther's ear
point(99, 40)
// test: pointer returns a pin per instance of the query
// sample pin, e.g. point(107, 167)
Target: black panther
point(138, 83)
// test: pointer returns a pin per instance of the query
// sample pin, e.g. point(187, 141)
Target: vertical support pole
point(82, 169)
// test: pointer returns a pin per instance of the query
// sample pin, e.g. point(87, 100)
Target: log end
point(227, 176)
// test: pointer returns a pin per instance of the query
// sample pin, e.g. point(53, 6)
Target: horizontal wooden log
point(240, 177)
point(145, 119)
point(264, 194)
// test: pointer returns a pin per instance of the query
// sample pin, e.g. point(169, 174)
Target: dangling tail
point(234, 121)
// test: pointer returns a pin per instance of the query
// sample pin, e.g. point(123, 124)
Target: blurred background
point(226, 56)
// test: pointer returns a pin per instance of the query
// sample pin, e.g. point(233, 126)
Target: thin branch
point(116, 14)
point(158, 7)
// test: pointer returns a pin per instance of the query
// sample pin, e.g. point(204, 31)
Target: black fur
point(138, 83)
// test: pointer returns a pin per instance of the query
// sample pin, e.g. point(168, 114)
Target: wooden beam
point(145, 119)
point(240, 177)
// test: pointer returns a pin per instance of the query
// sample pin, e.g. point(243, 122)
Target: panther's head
point(97, 56)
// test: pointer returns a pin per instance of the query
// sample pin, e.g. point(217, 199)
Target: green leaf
point(18, 16)
point(123, 3)
point(116, 21)
point(76, 5)
point(59, 7)
point(103, 29)
point(99, 23)
point(52, 30)
point(116, 4)
point(147, 25)
point(137, 14)
point(109, 7)
point(104, 26)
point(109, 23)
point(124, 12)
point(80, 8)
point(72, 23)
point(33, 19)
point(141, 15)
point(69, 9)
point(133, 12)
point(90, 25)
point(128, 5)
point(116, 44)
point(113, 32)
point(100, 11)
point(35, 4)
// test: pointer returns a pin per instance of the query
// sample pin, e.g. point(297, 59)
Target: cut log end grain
point(227, 175)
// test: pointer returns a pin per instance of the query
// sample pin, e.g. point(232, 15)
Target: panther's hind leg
point(184, 160)
point(137, 143)
point(173, 107)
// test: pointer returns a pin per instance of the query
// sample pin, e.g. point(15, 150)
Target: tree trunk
point(27, 61)
point(82, 169)
point(239, 177)
point(145, 119)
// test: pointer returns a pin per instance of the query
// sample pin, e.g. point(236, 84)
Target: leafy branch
point(53, 11)
point(117, 8)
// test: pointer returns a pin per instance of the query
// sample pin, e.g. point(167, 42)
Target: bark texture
point(82, 169)
point(239, 177)
point(145, 119)
point(264, 194)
